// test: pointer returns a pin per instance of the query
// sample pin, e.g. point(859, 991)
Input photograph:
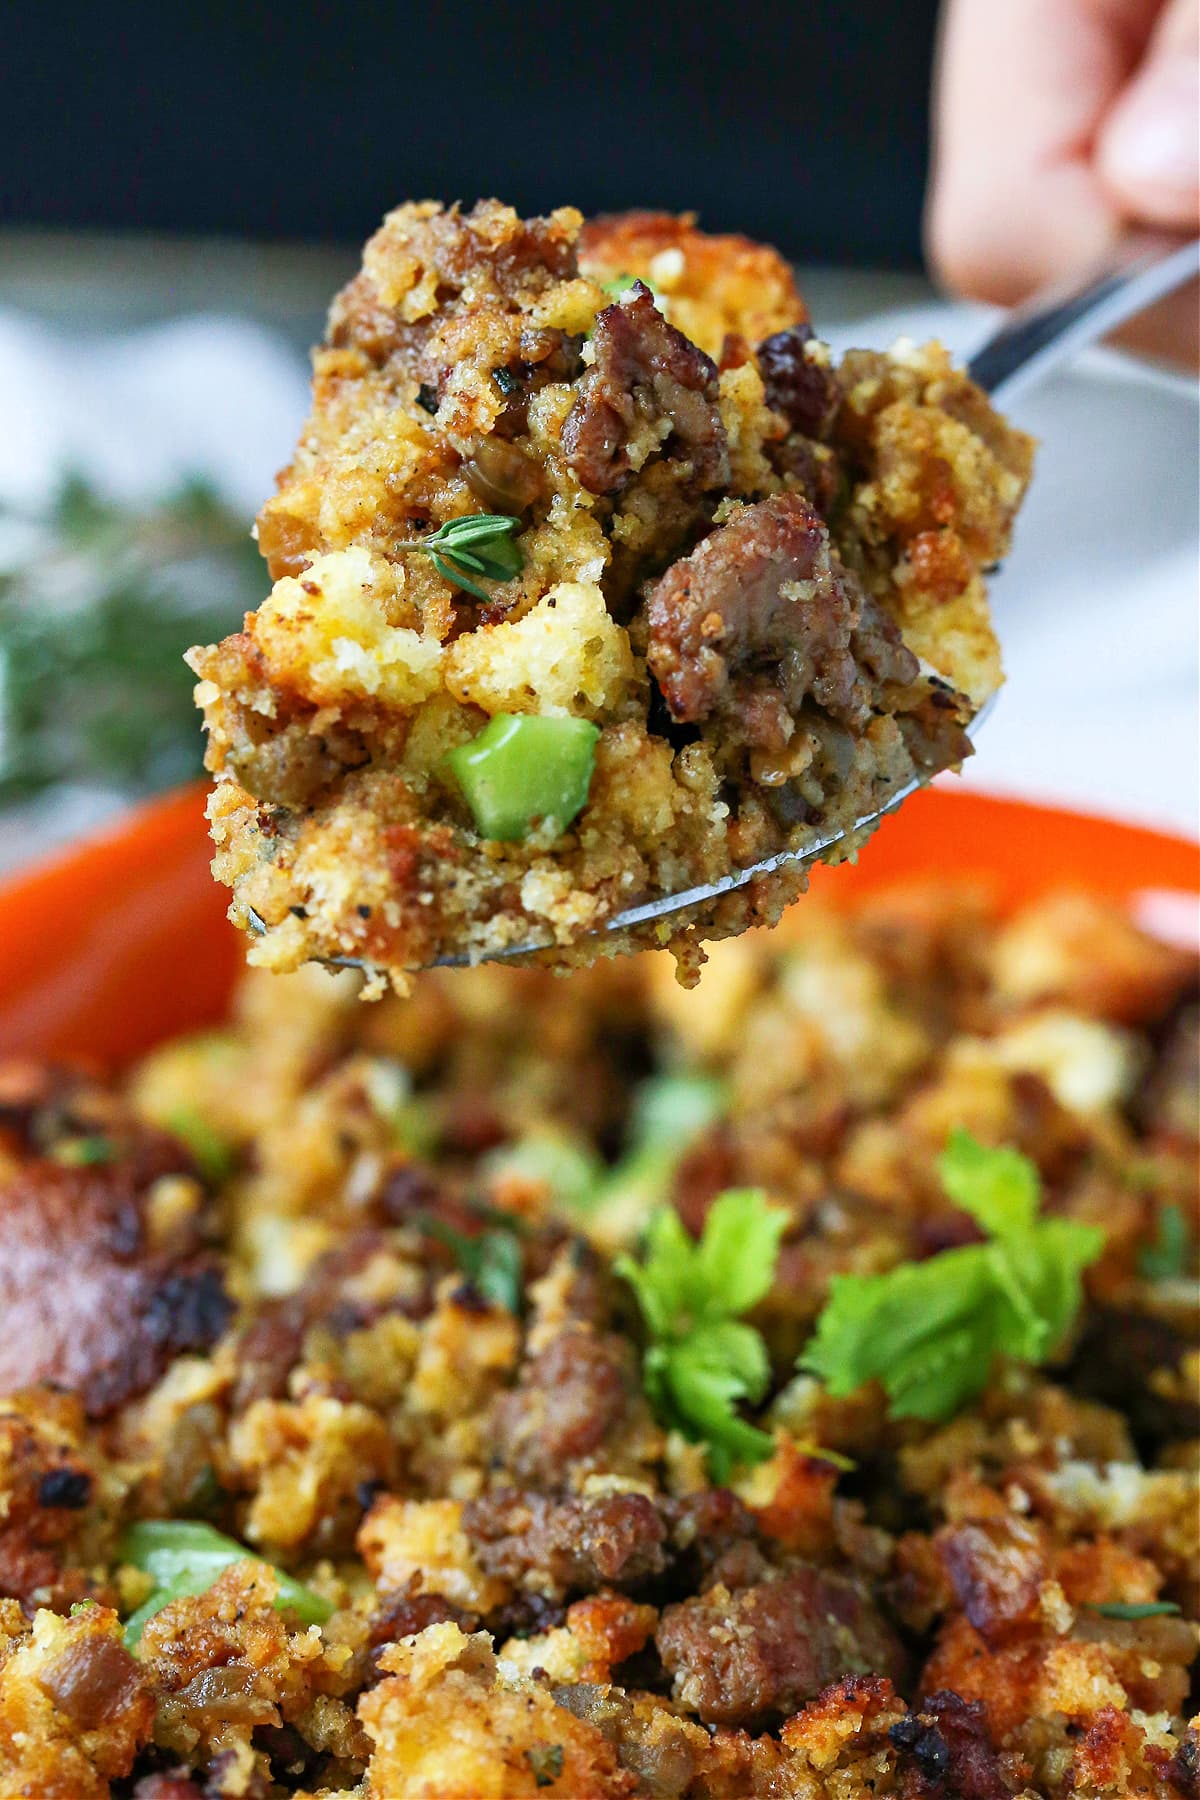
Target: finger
point(1016, 200)
point(1148, 153)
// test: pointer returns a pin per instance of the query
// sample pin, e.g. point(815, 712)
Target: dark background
point(804, 124)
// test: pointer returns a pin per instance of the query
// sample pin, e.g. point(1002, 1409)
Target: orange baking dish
point(122, 941)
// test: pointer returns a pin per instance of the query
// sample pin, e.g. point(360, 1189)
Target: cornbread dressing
point(339, 1283)
point(756, 571)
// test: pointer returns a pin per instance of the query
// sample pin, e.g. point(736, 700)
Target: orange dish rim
point(121, 940)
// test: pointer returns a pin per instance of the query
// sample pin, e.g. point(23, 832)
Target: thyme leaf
point(476, 544)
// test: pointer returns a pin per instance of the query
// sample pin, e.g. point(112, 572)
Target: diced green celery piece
point(523, 770)
point(167, 1548)
point(185, 1556)
point(179, 1589)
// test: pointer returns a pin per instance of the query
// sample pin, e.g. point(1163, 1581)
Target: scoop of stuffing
point(596, 580)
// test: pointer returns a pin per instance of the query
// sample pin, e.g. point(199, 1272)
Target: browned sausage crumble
point(340, 1283)
point(757, 572)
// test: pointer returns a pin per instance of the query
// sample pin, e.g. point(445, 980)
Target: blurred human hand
point(1059, 124)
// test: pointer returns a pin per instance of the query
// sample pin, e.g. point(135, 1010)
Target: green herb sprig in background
point(701, 1361)
point(98, 602)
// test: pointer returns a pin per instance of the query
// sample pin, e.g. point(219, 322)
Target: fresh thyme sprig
point(477, 544)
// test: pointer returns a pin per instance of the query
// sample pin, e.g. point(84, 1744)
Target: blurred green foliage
point(98, 601)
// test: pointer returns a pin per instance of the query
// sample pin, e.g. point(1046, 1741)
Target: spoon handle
point(1052, 327)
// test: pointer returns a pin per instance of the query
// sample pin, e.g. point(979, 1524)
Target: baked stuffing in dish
point(599, 1389)
point(597, 578)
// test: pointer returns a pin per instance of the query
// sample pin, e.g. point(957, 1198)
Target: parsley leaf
point(701, 1361)
point(736, 1256)
point(999, 1188)
point(930, 1331)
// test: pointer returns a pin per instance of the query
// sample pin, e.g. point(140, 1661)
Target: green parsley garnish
point(1166, 1258)
point(701, 1361)
point(523, 770)
point(930, 1331)
point(476, 544)
point(1133, 1609)
point(491, 1261)
point(185, 1556)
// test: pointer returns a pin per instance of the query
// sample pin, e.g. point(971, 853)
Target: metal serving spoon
point(1032, 342)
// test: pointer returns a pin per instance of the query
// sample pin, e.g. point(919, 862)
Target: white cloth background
point(1096, 607)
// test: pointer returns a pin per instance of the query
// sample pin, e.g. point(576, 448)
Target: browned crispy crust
point(89, 1299)
point(48, 1532)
